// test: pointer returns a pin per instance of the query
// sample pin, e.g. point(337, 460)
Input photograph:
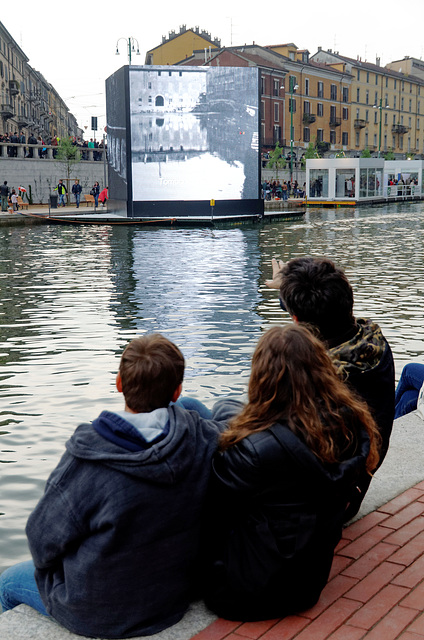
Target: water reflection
point(72, 297)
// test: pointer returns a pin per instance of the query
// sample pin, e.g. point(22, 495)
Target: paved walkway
point(376, 587)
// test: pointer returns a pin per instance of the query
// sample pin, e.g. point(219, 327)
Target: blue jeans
point(195, 405)
point(408, 388)
point(18, 586)
point(77, 199)
point(61, 199)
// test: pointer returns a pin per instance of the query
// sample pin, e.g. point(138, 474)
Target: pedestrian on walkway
point(76, 190)
point(4, 194)
point(62, 191)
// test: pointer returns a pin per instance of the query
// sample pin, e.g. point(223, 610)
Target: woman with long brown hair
point(283, 478)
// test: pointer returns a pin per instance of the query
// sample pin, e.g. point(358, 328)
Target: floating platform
point(165, 221)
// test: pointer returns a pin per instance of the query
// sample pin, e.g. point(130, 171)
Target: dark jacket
point(76, 188)
point(366, 363)
point(116, 535)
point(273, 519)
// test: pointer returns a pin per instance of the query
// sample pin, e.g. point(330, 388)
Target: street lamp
point(379, 131)
point(131, 48)
point(293, 88)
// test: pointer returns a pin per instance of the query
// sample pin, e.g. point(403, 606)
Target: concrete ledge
point(24, 623)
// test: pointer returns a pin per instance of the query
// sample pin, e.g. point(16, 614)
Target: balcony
point(399, 128)
point(13, 87)
point(309, 118)
point(6, 111)
point(22, 121)
point(335, 121)
point(359, 123)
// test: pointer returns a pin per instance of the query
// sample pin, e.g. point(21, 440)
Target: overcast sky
point(74, 44)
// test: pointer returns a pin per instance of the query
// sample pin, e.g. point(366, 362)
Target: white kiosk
point(344, 180)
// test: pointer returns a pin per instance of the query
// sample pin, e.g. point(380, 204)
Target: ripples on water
point(72, 297)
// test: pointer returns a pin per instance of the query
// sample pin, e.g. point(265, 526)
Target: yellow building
point(386, 105)
point(320, 101)
point(179, 46)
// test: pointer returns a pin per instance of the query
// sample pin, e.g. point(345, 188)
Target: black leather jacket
point(275, 516)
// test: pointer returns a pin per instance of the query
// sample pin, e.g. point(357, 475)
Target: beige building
point(387, 105)
point(29, 104)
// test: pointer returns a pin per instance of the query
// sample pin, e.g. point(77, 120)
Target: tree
point(69, 155)
point(366, 153)
point(311, 152)
point(276, 160)
point(389, 155)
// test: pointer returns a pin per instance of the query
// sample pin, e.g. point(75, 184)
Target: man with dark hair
point(115, 538)
point(317, 292)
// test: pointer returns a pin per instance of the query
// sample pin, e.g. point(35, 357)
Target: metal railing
point(13, 151)
point(401, 190)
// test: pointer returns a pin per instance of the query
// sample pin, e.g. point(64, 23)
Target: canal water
point(72, 297)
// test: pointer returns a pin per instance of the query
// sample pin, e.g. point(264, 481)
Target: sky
point(74, 45)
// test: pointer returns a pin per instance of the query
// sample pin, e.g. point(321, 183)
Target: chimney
point(377, 61)
point(319, 48)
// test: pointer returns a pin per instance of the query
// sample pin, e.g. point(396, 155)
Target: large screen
point(194, 133)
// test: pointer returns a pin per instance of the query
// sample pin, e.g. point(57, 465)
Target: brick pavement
point(376, 586)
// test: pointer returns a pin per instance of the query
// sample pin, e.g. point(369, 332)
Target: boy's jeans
point(18, 586)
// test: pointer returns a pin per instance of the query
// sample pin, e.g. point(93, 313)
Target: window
point(332, 113)
point(394, 83)
point(367, 97)
point(375, 116)
point(320, 89)
point(358, 75)
point(345, 113)
point(320, 109)
point(345, 138)
point(409, 122)
point(332, 136)
point(375, 139)
point(401, 119)
point(418, 123)
point(368, 76)
point(306, 107)
point(276, 112)
point(366, 140)
point(306, 134)
point(410, 106)
point(306, 87)
point(367, 113)
point(292, 83)
point(292, 105)
point(418, 106)
point(345, 94)
point(376, 98)
point(400, 142)
point(357, 139)
point(386, 100)
point(394, 119)
point(276, 87)
point(333, 92)
point(394, 142)
point(394, 102)
point(320, 134)
point(262, 84)
point(376, 79)
point(385, 118)
point(357, 95)
point(262, 110)
point(410, 88)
